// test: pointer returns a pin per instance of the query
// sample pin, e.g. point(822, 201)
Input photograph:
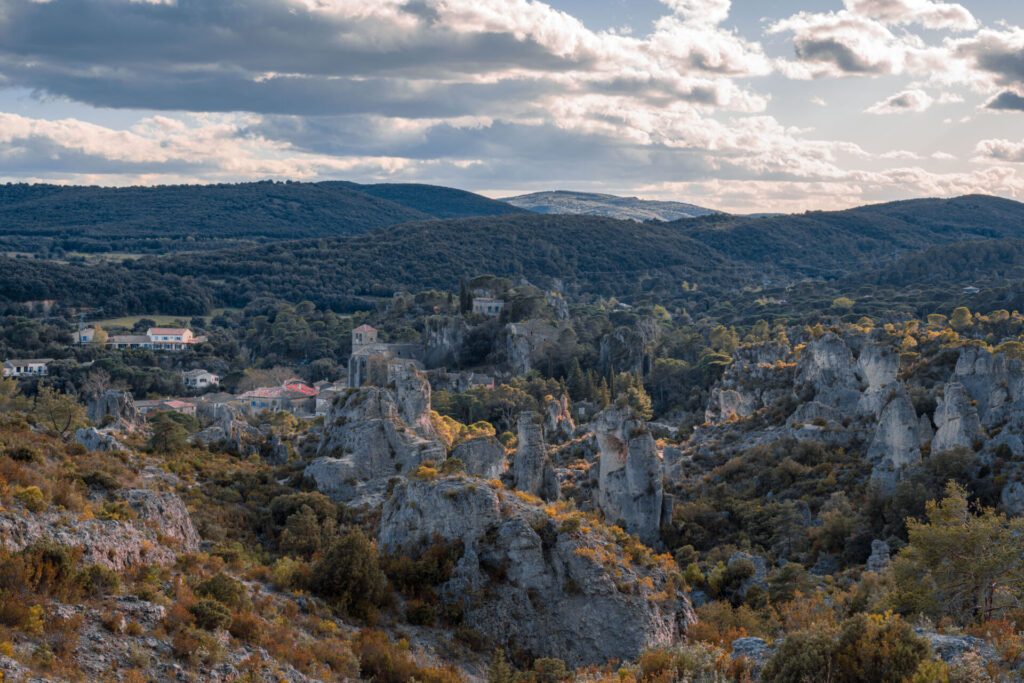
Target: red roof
point(301, 387)
point(365, 328)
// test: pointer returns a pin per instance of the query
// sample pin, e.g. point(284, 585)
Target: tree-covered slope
point(48, 218)
point(832, 243)
point(439, 202)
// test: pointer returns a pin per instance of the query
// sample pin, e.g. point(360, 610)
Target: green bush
point(349, 575)
point(225, 590)
point(211, 614)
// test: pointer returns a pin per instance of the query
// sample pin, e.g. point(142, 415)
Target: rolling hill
point(606, 205)
point(45, 218)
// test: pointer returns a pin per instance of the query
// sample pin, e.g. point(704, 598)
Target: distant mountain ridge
point(606, 205)
point(184, 217)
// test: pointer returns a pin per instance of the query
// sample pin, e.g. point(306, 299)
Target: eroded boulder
point(535, 583)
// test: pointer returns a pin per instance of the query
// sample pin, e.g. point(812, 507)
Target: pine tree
point(465, 298)
point(499, 671)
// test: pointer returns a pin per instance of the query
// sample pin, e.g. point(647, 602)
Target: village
point(372, 362)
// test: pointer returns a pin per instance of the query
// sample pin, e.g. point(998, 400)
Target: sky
point(745, 106)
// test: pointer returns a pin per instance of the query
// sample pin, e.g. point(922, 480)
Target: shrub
point(225, 590)
point(31, 497)
point(802, 657)
point(210, 614)
point(349, 575)
point(381, 660)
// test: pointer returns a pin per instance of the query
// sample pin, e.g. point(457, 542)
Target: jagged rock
point(925, 431)
point(877, 366)
point(558, 305)
point(754, 650)
point(111, 544)
point(230, 429)
point(760, 576)
point(443, 338)
point(558, 423)
point(630, 473)
point(956, 419)
point(166, 513)
point(528, 342)
point(826, 374)
point(483, 457)
point(95, 440)
point(526, 581)
point(531, 469)
point(672, 459)
point(879, 558)
point(896, 444)
point(1012, 498)
point(950, 648)
point(276, 451)
point(816, 413)
point(116, 409)
point(993, 381)
point(759, 376)
point(630, 349)
point(11, 670)
point(372, 435)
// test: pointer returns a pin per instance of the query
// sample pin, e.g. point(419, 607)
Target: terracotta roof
point(365, 328)
point(274, 392)
point(301, 387)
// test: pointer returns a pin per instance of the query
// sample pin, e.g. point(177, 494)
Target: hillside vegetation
point(50, 218)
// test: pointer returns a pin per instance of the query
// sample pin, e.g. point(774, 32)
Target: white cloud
point(903, 102)
point(930, 14)
point(1000, 150)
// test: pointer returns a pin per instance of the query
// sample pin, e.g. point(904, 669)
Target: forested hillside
point(53, 219)
point(832, 243)
point(712, 265)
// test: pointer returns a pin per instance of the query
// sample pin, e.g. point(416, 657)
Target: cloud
point(1001, 150)
point(900, 103)
point(930, 14)
point(1007, 100)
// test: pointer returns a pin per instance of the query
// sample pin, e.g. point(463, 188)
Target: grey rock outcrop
point(483, 457)
point(443, 339)
point(630, 349)
point(878, 366)
point(897, 442)
point(531, 469)
point(956, 420)
point(952, 648)
point(166, 513)
point(98, 440)
point(630, 473)
point(230, 429)
point(528, 581)
point(994, 381)
point(1012, 498)
point(758, 377)
point(826, 374)
point(879, 558)
point(116, 409)
point(528, 342)
point(115, 545)
point(372, 435)
point(558, 423)
point(754, 650)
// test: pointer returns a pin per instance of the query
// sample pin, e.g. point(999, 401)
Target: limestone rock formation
point(116, 409)
point(483, 457)
point(443, 338)
point(877, 365)
point(166, 513)
point(956, 420)
point(897, 443)
point(630, 473)
point(372, 435)
point(630, 349)
point(528, 581)
point(98, 440)
point(531, 468)
point(826, 374)
point(229, 428)
point(529, 342)
point(758, 377)
point(880, 555)
point(113, 544)
point(558, 423)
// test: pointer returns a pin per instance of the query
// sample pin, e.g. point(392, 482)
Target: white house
point(485, 305)
point(200, 379)
point(157, 339)
point(27, 367)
